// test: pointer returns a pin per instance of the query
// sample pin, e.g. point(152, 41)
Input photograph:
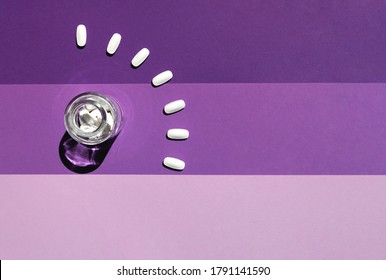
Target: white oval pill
point(114, 43)
point(162, 78)
point(174, 163)
point(81, 35)
point(174, 106)
point(140, 57)
point(178, 134)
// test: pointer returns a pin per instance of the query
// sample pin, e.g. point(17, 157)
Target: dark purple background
point(234, 128)
point(201, 41)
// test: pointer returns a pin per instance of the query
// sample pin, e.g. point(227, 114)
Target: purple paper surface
point(221, 54)
point(201, 41)
point(192, 217)
point(234, 128)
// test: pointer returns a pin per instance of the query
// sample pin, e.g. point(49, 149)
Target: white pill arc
point(174, 163)
point(140, 57)
point(81, 35)
point(162, 78)
point(178, 133)
point(114, 43)
point(174, 106)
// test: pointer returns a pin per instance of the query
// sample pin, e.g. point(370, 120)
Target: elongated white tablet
point(162, 78)
point(174, 106)
point(81, 35)
point(174, 163)
point(114, 43)
point(178, 133)
point(140, 57)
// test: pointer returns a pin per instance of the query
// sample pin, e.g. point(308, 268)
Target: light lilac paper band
point(192, 217)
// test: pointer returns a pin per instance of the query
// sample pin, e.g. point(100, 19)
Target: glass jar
point(92, 118)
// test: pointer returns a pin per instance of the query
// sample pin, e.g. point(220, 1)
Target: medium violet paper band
point(234, 128)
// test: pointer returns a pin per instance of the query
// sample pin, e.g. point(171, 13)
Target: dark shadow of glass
point(80, 158)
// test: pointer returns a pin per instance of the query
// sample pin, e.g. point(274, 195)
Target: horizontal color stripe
point(192, 217)
point(234, 128)
point(201, 41)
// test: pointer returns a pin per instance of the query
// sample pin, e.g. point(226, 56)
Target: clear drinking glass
point(92, 118)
